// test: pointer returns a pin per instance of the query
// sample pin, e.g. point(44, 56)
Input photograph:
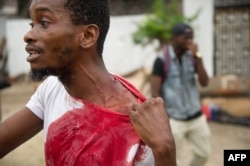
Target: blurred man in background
point(174, 78)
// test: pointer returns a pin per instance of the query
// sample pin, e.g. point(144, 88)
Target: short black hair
point(180, 28)
point(84, 12)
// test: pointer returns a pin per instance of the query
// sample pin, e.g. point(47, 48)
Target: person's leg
point(199, 139)
point(179, 129)
point(225, 117)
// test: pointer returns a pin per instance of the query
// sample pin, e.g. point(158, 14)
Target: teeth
point(33, 52)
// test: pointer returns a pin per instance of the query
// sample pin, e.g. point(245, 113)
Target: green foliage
point(158, 25)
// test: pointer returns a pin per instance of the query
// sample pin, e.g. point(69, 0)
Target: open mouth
point(33, 54)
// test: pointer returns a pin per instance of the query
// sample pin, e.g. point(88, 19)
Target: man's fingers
point(160, 100)
point(149, 103)
point(135, 106)
point(134, 112)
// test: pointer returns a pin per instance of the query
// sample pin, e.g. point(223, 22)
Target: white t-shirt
point(77, 132)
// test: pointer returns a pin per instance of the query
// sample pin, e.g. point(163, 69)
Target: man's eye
point(44, 24)
point(31, 24)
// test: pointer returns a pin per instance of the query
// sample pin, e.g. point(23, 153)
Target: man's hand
point(151, 123)
point(194, 50)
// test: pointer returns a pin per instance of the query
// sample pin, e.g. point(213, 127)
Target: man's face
point(51, 43)
point(182, 41)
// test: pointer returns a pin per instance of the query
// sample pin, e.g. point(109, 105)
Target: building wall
point(8, 7)
point(15, 31)
point(120, 54)
point(119, 47)
point(203, 28)
point(129, 7)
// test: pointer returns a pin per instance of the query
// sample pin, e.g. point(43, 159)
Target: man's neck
point(178, 52)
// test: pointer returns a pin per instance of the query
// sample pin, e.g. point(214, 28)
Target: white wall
point(15, 30)
point(120, 54)
point(203, 28)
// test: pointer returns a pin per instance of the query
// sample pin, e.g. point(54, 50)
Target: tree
point(158, 24)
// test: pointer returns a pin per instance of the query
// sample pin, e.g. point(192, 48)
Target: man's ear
point(89, 35)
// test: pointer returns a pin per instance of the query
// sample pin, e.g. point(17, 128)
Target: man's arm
point(202, 74)
point(157, 78)
point(156, 85)
point(17, 129)
point(151, 123)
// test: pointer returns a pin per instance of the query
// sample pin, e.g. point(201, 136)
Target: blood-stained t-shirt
point(77, 132)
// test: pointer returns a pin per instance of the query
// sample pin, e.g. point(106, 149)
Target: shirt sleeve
point(35, 104)
point(38, 100)
point(158, 67)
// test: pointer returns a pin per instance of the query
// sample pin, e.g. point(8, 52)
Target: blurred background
point(222, 32)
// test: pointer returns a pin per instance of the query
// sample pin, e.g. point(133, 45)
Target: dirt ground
point(223, 136)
